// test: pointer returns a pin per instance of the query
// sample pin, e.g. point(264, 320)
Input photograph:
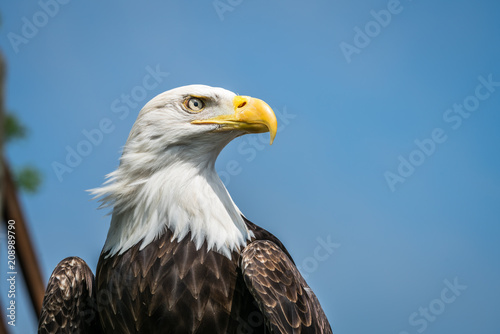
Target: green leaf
point(28, 179)
point(13, 128)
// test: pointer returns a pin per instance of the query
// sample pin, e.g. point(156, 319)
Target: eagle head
point(198, 119)
point(167, 178)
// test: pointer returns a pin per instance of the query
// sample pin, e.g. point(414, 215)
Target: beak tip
point(273, 135)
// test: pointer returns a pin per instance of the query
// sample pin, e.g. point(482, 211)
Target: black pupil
point(196, 103)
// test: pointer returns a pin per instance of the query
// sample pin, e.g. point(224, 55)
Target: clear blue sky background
point(325, 175)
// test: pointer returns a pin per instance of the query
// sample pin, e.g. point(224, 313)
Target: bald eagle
point(180, 257)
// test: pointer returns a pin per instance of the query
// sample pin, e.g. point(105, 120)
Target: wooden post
point(3, 329)
point(10, 209)
point(2, 113)
point(26, 256)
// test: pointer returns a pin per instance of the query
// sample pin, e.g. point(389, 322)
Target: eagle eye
point(194, 104)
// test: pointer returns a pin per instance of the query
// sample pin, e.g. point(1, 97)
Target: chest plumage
point(172, 287)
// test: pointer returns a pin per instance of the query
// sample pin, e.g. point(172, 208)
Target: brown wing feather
point(282, 294)
point(69, 303)
point(263, 234)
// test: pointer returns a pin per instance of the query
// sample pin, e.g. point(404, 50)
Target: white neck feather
point(180, 192)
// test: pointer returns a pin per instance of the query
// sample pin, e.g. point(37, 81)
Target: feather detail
point(69, 304)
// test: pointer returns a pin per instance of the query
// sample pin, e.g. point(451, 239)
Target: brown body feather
point(170, 287)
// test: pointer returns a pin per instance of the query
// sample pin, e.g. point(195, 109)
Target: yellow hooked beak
point(250, 115)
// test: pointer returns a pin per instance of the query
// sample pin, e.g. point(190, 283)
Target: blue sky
point(356, 86)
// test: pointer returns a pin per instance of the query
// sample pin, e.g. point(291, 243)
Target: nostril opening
point(242, 104)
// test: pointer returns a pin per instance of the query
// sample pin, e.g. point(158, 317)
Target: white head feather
point(167, 178)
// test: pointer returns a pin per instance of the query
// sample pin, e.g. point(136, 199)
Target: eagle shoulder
point(281, 293)
point(69, 304)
